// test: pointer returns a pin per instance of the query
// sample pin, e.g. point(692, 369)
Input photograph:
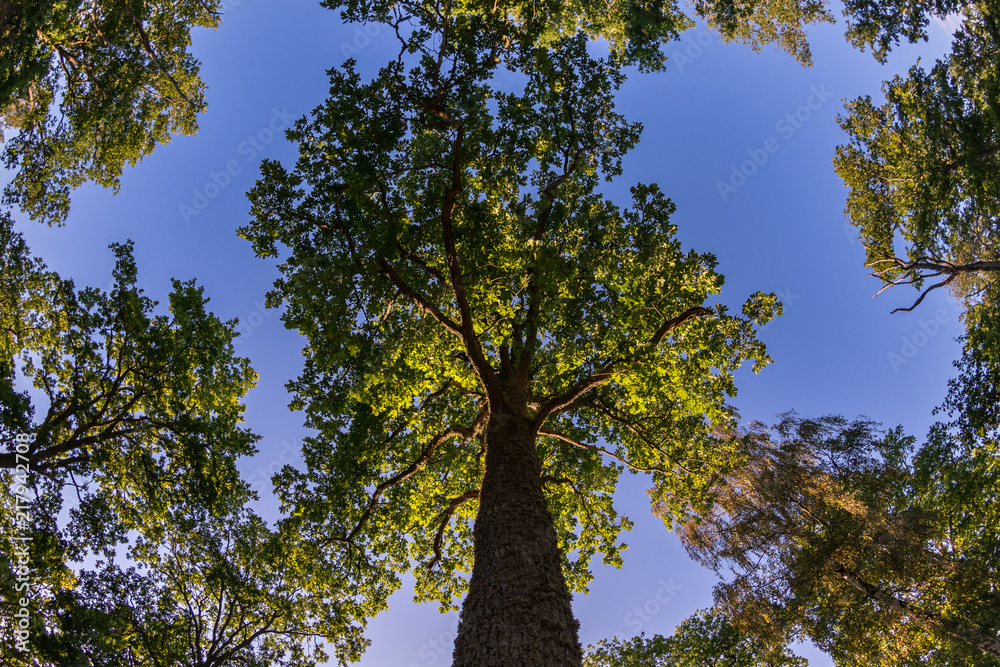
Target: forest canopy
point(495, 324)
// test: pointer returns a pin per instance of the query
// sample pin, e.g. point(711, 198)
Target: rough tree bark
point(518, 611)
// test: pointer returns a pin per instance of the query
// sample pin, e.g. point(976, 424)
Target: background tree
point(129, 413)
point(141, 551)
point(479, 320)
point(133, 405)
point(88, 88)
point(834, 532)
point(210, 590)
point(706, 638)
point(922, 167)
point(958, 465)
point(880, 24)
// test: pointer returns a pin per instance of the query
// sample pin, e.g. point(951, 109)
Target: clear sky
point(781, 229)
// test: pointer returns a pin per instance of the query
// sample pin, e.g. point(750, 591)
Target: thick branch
point(932, 622)
point(11, 460)
point(422, 263)
point(152, 54)
point(523, 377)
point(933, 267)
point(989, 151)
point(468, 331)
point(564, 401)
point(447, 232)
point(479, 362)
point(594, 448)
point(445, 517)
point(421, 302)
point(48, 457)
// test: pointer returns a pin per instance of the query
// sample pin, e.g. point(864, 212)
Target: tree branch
point(421, 302)
point(523, 377)
point(932, 622)
point(445, 517)
point(594, 448)
point(412, 469)
point(634, 429)
point(152, 54)
point(564, 401)
point(421, 262)
point(911, 273)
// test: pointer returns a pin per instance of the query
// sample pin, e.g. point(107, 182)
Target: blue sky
point(780, 229)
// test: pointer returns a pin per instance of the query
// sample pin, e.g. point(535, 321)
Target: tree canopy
point(839, 532)
point(490, 343)
point(706, 638)
point(143, 405)
point(452, 266)
point(211, 590)
point(921, 167)
point(87, 89)
point(134, 540)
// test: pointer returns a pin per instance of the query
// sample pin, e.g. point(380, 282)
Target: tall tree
point(479, 319)
point(128, 413)
point(706, 638)
point(210, 589)
point(139, 405)
point(835, 531)
point(921, 167)
point(127, 541)
point(87, 88)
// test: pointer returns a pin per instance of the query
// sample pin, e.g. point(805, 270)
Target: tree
point(210, 590)
point(706, 638)
point(879, 24)
point(479, 319)
point(757, 23)
point(209, 586)
point(129, 414)
point(138, 405)
point(958, 465)
point(837, 532)
point(133, 546)
point(921, 167)
point(88, 88)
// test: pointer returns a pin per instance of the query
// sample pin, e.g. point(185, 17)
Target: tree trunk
point(517, 612)
point(931, 622)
